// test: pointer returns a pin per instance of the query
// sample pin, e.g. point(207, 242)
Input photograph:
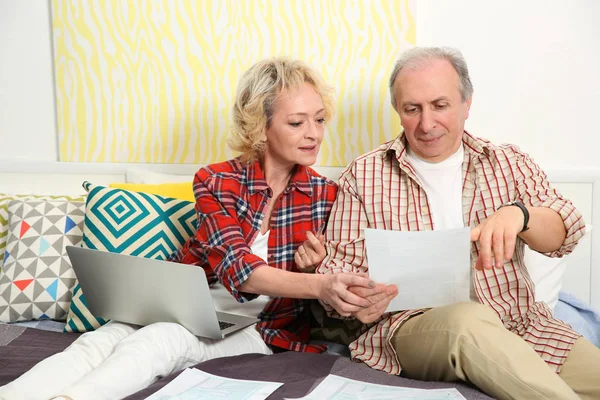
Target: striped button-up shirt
point(231, 201)
point(381, 190)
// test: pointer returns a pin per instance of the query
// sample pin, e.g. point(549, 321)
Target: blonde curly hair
point(257, 93)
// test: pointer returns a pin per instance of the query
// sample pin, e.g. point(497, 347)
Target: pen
point(321, 229)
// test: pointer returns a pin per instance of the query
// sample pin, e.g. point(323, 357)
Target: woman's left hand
point(310, 253)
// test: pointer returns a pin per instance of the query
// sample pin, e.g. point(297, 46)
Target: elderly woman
point(256, 218)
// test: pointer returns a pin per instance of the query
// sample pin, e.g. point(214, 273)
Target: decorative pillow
point(5, 198)
point(182, 191)
point(37, 278)
point(323, 327)
point(547, 273)
point(138, 224)
point(138, 175)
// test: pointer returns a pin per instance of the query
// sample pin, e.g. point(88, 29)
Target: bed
point(21, 348)
point(24, 344)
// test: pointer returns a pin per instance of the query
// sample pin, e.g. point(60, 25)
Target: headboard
point(581, 186)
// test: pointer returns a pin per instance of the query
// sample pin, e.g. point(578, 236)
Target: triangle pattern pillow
point(5, 198)
point(37, 280)
point(132, 223)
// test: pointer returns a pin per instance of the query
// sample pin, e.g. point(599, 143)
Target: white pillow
point(547, 273)
point(137, 175)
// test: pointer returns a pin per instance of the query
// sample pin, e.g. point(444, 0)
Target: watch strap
point(523, 209)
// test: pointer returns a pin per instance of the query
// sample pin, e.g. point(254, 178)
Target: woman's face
point(296, 130)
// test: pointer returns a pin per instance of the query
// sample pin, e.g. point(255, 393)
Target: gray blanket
point(300, 372)
point(21, 348)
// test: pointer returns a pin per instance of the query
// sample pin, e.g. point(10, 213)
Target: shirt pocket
point(242, 209)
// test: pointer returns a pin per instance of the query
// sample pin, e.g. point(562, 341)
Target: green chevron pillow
point(37, 279)
point(133, 223)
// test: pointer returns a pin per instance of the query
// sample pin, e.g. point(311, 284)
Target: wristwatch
point(523, 208)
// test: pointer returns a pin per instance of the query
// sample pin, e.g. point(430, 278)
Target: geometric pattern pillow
point(323, 327)
point(5, 198)
point(37, 279)
point(126, 222)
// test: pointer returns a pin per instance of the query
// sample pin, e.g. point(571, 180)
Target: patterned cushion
point(183, 191)
point(323, 327)
point(138, 224)
point(80, 319)
point(37, 279)
point(5, 198)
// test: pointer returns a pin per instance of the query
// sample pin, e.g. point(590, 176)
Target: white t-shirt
point(223, 299)
point(443, 184)
point(260, 246)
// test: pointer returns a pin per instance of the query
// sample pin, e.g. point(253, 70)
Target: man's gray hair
point(418, 56)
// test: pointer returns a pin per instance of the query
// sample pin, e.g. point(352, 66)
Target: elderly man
point(437, 176)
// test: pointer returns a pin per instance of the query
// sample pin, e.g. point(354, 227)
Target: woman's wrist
point(316, 285)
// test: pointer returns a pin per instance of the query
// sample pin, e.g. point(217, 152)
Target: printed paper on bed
point(335, 387)
point(430, 268)
point(194, 384)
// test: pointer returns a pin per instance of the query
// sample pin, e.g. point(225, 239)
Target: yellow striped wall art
point(153, 81)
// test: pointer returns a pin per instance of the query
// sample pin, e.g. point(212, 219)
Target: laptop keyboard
point(224, 325)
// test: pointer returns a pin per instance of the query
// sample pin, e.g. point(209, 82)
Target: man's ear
point(469, 100)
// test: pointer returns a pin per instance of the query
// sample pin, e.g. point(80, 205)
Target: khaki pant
point(467, 341)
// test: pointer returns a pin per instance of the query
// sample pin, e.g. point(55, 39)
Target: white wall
point(27, 112)
point(535, 66)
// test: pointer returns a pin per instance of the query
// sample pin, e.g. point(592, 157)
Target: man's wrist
point(523, 210)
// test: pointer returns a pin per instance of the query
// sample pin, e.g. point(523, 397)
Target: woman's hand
point(379, 297)
point(310, 253)
point(335, 292)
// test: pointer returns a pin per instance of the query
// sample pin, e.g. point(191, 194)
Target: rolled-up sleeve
point(219, 240)
point(534, 189)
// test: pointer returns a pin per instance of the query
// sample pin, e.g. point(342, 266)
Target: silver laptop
point(142, 291)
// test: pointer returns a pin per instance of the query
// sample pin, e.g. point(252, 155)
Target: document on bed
point(335, 387)
point(430, 268)
point(194, 384)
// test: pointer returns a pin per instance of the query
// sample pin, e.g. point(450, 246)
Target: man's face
point(431, 110)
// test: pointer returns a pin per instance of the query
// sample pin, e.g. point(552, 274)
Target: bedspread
point(300, 372)
point(21, 348)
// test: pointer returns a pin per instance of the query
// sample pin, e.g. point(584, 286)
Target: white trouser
point(118, 360)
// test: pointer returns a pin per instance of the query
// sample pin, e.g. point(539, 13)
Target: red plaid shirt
point(231, 200)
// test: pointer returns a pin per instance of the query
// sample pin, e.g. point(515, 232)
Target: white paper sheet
point(335, 387)
point(430, 268)
point(194, 384)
